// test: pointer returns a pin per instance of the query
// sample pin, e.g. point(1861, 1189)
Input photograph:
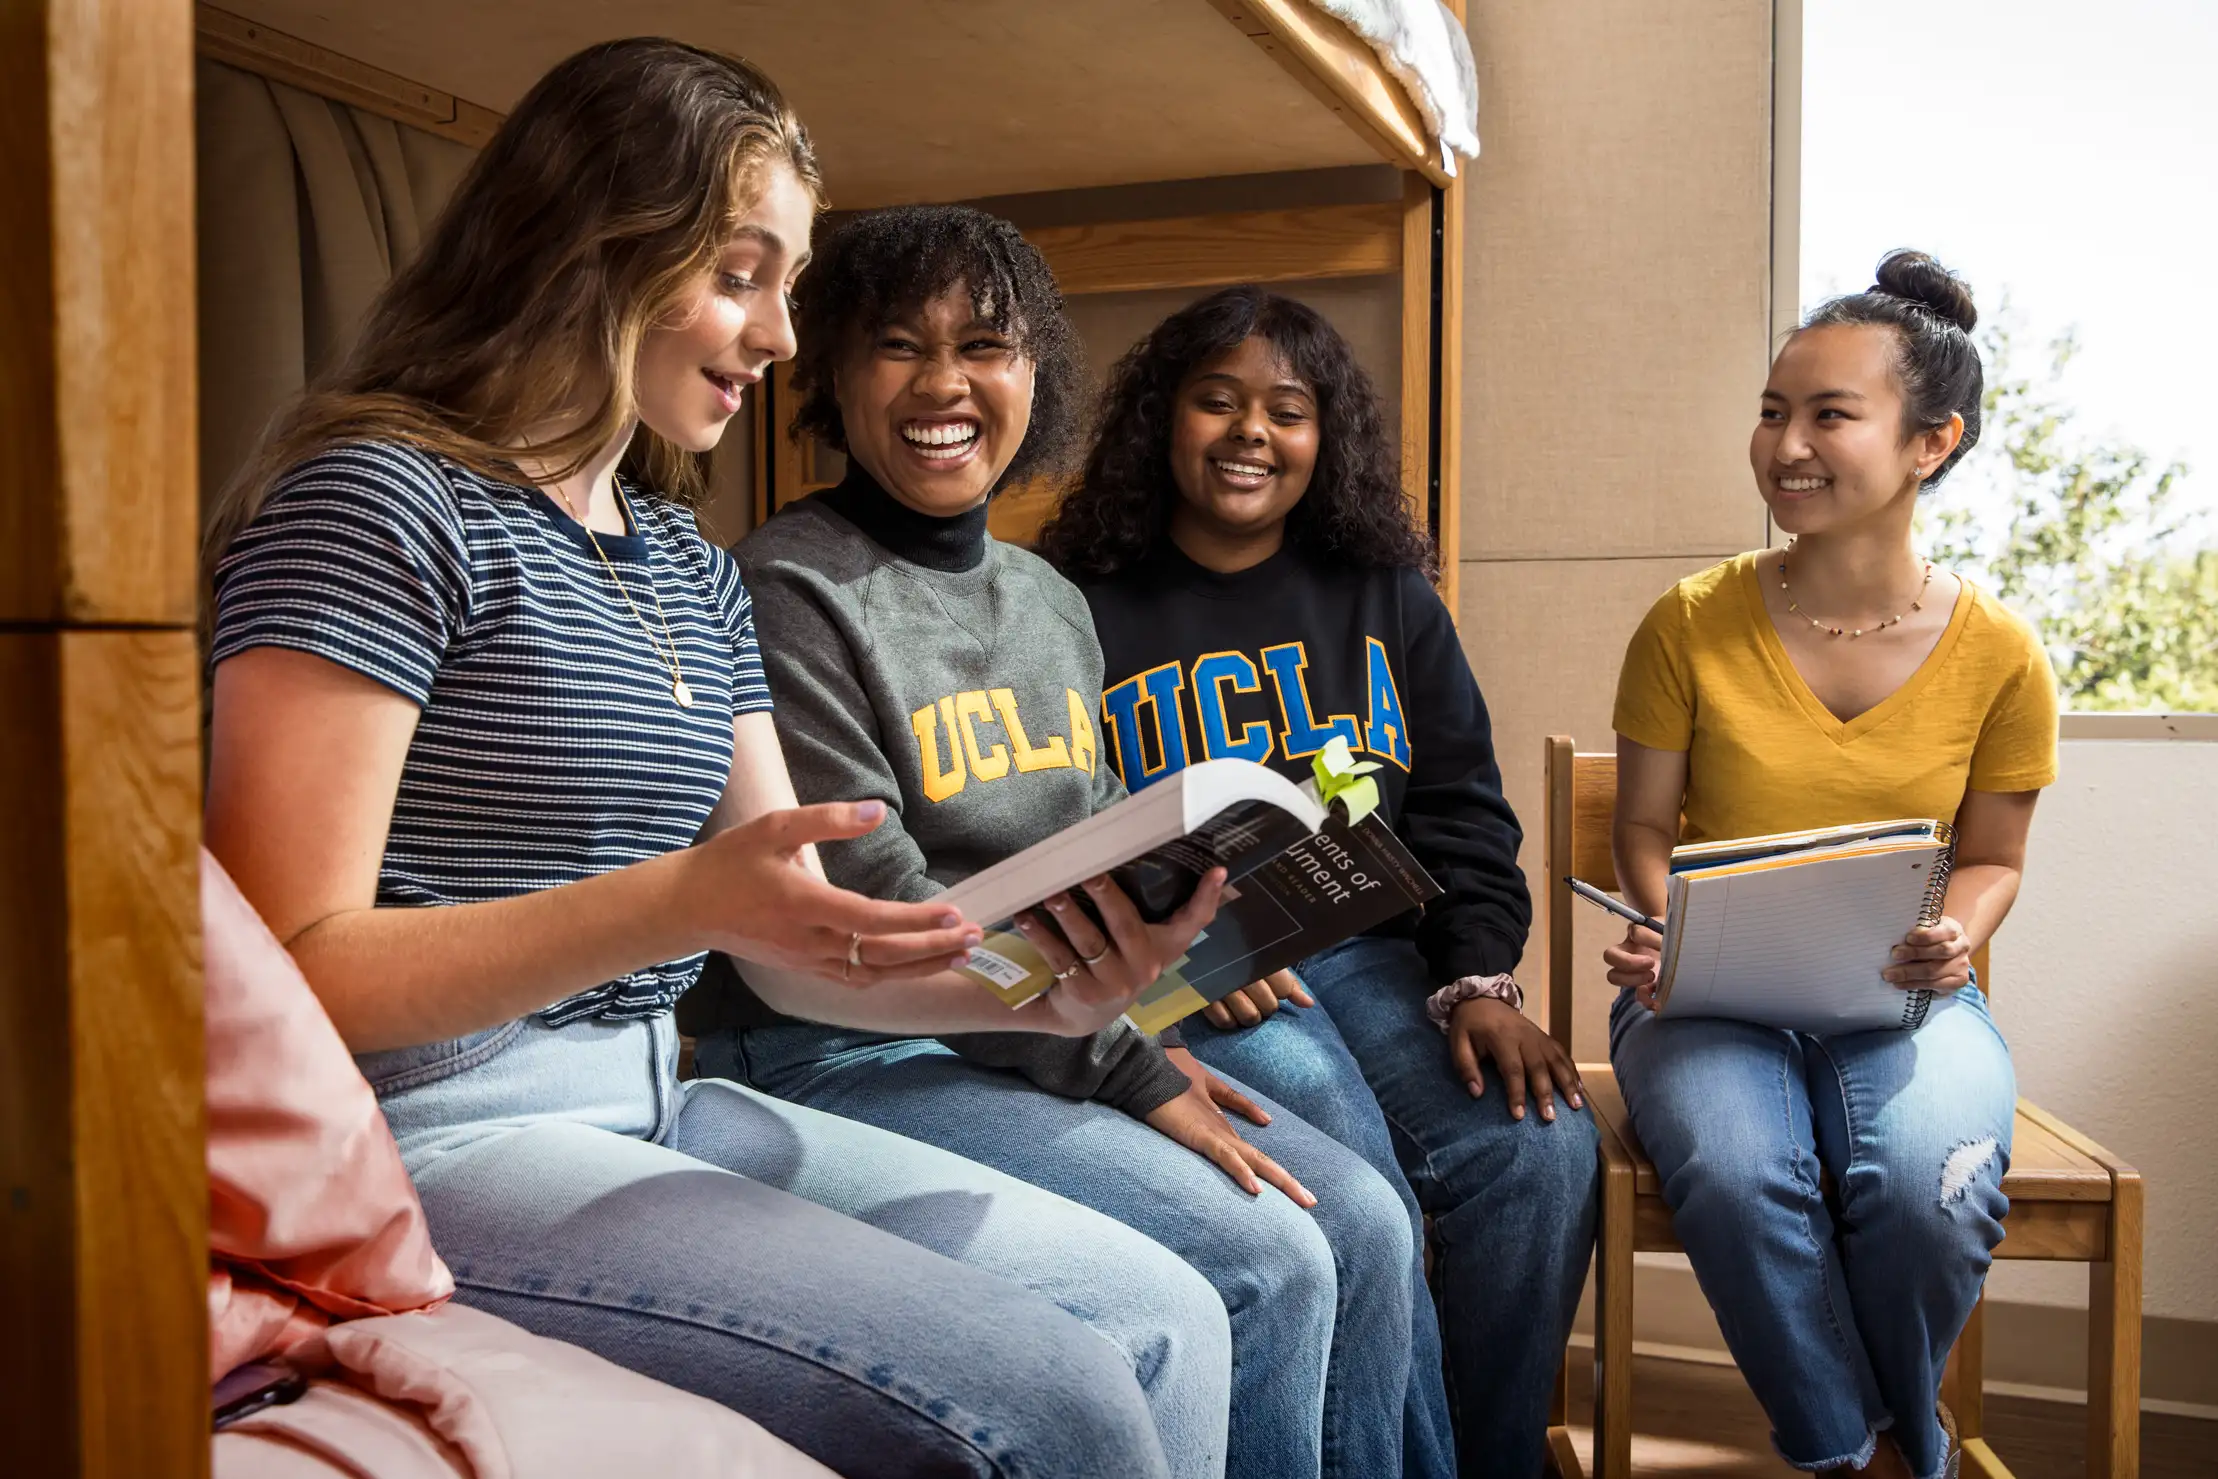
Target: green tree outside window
point(2078, 534)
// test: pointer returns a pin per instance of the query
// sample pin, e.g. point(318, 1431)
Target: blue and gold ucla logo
point(1144, 714)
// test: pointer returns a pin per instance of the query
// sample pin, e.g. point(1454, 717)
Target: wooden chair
point(2070, 1200)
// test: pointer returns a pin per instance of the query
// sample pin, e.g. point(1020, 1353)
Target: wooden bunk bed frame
point(103, 1209)
point(1419, 239)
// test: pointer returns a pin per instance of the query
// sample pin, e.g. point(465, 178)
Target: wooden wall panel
point(1308, 244)
point(131, 740)
point(104, 1333)
point(1545, 639)
point(1417, 319)
point(103, 1190)
point(1618, 276)
point(38, 1219)
point(96, 310)
point(30, 516)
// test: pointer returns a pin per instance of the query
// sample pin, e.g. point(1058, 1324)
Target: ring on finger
point(1067, 973)
point(1097, 958)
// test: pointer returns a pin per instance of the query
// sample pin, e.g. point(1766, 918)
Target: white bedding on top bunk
point(1423, 45)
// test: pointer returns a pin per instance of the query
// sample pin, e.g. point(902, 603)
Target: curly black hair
point(882, 265)
point(1354, 510)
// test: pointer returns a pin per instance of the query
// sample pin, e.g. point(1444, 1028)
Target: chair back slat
point(1582, 802)
point(1593, 813)
point(1582, 806)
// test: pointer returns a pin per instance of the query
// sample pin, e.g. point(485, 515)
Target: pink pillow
point(311, 1216)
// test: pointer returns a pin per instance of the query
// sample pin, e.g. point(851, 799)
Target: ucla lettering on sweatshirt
point(1270, 663)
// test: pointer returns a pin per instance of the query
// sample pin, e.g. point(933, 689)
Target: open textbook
point(1300, 877)
point(1793, 930)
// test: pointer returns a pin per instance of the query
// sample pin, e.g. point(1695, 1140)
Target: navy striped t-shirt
point(550, 748)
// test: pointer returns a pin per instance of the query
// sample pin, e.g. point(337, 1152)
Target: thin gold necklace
point(678, 690)
point(1795, 608)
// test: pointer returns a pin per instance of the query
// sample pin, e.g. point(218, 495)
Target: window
point(2056, 155)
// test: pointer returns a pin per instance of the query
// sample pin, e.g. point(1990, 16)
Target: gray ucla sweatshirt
point(921, 662)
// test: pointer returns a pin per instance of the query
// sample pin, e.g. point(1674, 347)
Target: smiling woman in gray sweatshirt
point(914, 658)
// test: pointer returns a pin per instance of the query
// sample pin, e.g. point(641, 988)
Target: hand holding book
point(1801, 930)
point(1251, 1005)
point(1299, 878)
point(1103, 959)
point(1935, 957)
point(1635, 962)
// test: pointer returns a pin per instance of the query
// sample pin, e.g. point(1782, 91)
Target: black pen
point(1593, 895)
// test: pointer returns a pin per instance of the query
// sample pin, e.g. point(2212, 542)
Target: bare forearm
point(1643, 857)
point(936, 1006)
point(399, 977)
point(1980, 896)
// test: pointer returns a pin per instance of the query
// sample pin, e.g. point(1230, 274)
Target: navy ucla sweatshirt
point(1269, 663)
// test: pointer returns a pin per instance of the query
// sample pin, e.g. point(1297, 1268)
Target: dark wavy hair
point(1354, 509)
point(882, 265)
point(1936, 361)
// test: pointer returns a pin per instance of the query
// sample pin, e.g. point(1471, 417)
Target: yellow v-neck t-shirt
point(1707, 674)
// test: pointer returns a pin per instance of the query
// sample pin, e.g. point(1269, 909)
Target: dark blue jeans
point(1512, 1201)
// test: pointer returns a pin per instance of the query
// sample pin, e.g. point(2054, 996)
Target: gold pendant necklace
point(678, 689)
point(1794, 608)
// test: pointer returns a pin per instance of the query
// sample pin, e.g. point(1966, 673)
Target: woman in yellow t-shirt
point(1841, 679)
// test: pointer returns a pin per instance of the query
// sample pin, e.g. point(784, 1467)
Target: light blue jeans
point(1513, 1201)
point(885, 1306)
point(1840, 1303)
point(1319, 1300)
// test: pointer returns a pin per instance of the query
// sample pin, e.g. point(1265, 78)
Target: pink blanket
point(311, 1216)
point(313, 1222)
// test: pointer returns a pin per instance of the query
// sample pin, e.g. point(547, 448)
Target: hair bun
point(1917, 278)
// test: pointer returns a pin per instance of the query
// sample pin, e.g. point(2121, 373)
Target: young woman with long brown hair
point(492, 753)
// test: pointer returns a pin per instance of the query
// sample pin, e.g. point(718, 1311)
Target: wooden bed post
point(103, 1190)
point(1432, 365)
point(1448, 394)
point(1432, 359)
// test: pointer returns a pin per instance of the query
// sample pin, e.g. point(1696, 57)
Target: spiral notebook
point(1793, 931)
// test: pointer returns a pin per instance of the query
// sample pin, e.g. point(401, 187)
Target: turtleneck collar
point(952, 544)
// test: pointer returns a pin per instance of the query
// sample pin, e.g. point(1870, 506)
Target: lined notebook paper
point(1797, 936)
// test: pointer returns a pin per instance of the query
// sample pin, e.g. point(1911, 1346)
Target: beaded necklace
point(1795, 607)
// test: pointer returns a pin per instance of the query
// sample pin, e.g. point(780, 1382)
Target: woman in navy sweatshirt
point(1259, 588)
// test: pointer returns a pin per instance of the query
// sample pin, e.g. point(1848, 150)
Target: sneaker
point(1955, 1460)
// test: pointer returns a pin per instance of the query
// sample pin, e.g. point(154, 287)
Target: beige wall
point(2106, 984)
point(1617, 262)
